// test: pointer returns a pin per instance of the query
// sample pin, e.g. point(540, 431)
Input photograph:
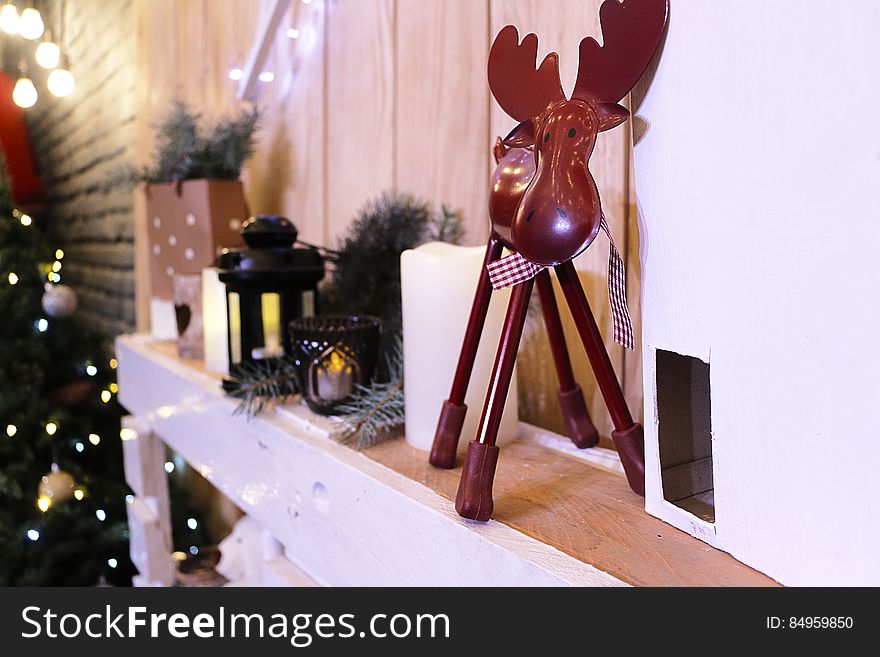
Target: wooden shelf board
point(582, 510)
point(586, 512)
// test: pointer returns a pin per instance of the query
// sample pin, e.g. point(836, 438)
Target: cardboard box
point(188, 222)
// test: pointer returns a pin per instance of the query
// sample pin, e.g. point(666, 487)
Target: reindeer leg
point(474, 498)
point(454, 409)
point(571, 398)
point(628, 436)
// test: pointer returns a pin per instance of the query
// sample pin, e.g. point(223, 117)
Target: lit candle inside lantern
point(234, 304)
point(214, 322)
point(271, 310)
point(438, 282)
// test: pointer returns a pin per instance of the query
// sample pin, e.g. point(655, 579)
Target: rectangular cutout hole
point(684, 414)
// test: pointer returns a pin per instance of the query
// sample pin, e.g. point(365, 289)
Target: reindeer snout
point(551, 233)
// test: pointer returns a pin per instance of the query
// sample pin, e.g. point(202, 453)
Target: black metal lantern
point(268, 284)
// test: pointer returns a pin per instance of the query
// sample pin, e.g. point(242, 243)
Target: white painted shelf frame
point(338, 517)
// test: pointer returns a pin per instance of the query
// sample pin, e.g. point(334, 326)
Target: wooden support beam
point(149, 513)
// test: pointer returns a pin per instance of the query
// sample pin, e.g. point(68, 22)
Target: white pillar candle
point(438, 282)
point(214, 322)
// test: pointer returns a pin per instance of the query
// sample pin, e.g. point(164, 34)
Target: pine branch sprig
point(374, 412)
point(265, 382)
point(448, 226)
point(187, 150)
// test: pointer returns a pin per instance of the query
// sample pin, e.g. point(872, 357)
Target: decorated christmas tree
point(62, 488)
point(62, 494)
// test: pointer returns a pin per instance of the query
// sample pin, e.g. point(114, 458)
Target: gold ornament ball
point(58, 486)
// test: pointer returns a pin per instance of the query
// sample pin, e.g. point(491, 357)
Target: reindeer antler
point(521, 90)
point(631, 31)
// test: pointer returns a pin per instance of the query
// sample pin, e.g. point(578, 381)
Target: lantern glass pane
point(234, 328)
point(271, 312)
point(308, 303)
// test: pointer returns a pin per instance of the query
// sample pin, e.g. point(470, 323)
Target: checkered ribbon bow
point(515, 268)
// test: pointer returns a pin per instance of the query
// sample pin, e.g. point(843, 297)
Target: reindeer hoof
point(474, 498)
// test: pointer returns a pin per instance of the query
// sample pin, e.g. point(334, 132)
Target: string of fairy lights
point(29, 26)
point(58, 482)
point(56, 477)
point(44, 501)
point(236, 73)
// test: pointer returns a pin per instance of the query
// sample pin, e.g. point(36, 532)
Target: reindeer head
point(558, 216)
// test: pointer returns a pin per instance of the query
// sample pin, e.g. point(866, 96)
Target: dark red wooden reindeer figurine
point(545, 208)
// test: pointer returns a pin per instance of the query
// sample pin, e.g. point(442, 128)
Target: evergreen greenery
point(374, 411)
point(447, 226)
point(73, 545)
point(262, 382)
point(366, 277)
point(365, 281)
point(187, 151)
point(39, 361)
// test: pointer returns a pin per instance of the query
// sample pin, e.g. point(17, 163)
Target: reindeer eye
point(546, 137)
point(572, 133)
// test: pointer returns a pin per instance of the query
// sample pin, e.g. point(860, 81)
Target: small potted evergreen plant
point(194, 198)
